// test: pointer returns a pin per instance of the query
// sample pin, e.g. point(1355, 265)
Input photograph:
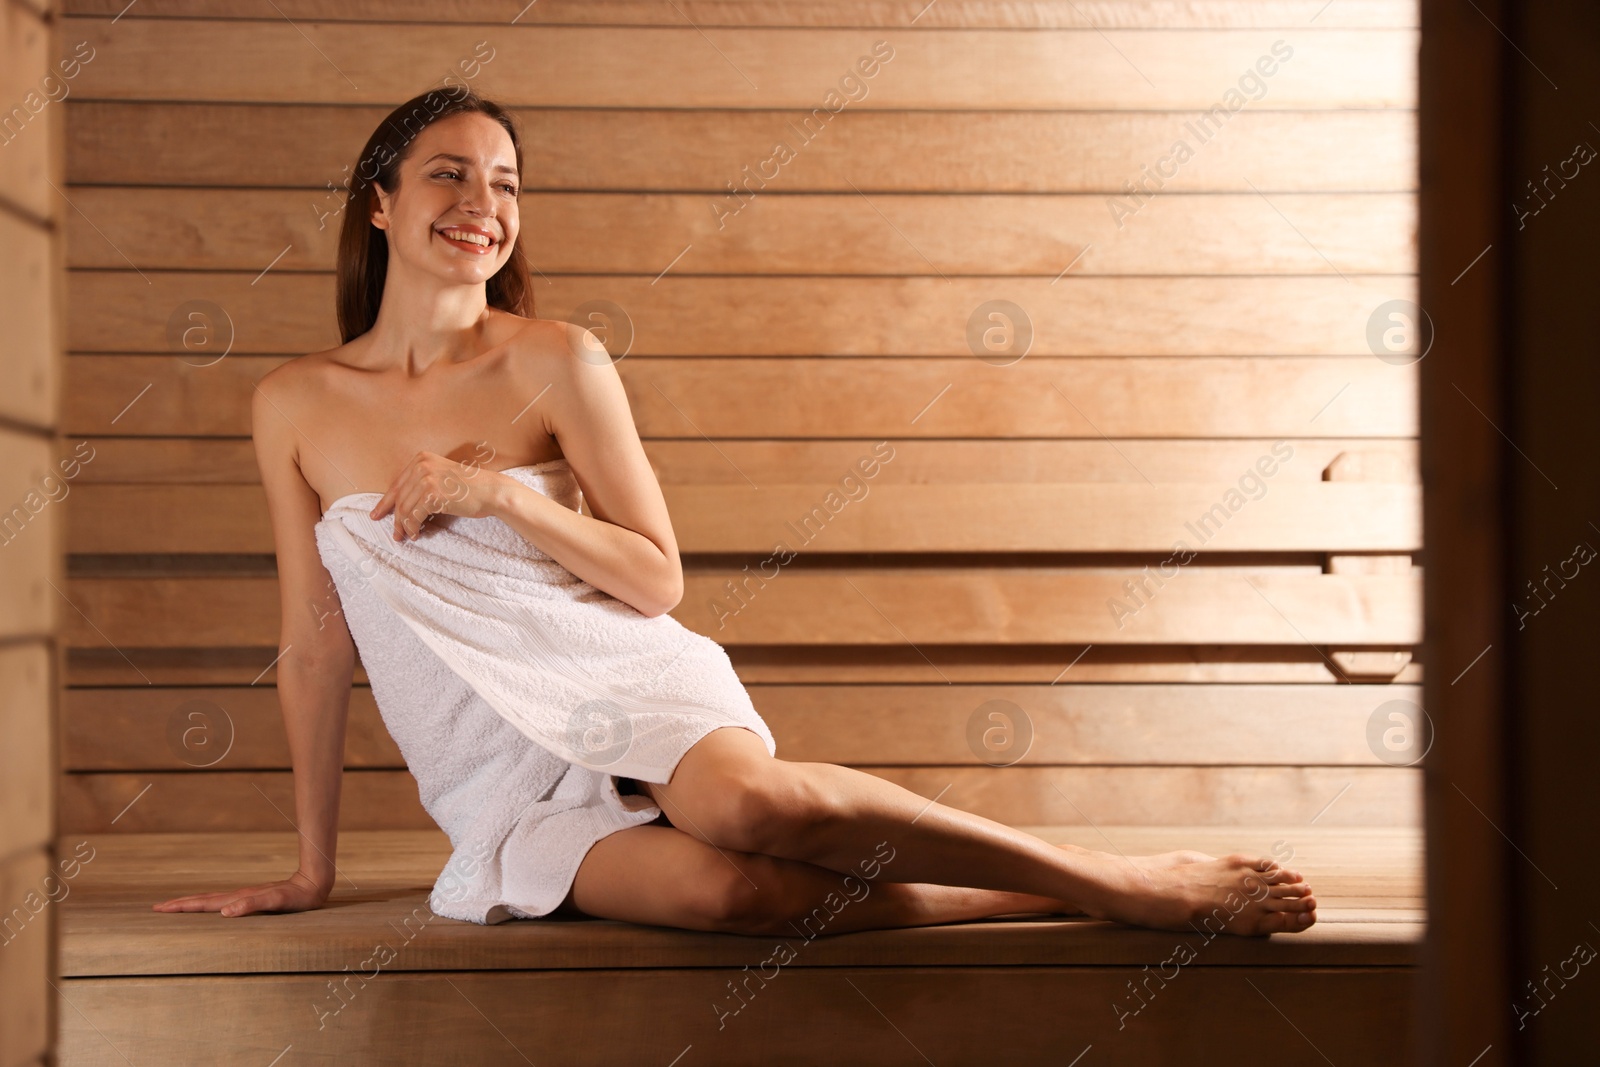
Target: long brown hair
point(364, 249)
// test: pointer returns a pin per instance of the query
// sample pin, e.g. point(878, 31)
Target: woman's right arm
point(316, 661)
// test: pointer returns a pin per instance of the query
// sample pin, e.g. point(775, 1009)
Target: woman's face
point(454, 212)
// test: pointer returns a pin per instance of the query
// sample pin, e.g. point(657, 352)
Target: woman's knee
point(774, 809)
point(760, 897)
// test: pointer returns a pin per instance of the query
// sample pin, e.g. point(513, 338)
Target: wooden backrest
point(953, 270)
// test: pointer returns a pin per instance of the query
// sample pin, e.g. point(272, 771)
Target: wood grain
point(29, 158)
point(945, 1012)
point(859, 516)
point(31, 534)
point(884, 234)
point(237, 801)
point(881, 399)
point(27, 773)
point(876, 605)
point(174, 461)
point(685, 67)
point(685, 315)
point(1010, 14)
point(30, 283)
point(307, 147)
point(219, 728)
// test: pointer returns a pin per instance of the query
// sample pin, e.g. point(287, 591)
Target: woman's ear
point(380, 207)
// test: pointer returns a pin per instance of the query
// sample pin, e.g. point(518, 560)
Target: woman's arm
point(627, 548)
point(315, 663)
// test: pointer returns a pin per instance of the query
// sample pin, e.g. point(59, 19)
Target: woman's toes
point(1296, 889)
point(1291, 904)
point(1285, 922)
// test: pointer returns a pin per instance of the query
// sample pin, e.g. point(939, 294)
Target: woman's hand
point(433, 485)
point(296, 893)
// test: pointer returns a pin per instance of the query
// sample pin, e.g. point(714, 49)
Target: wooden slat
point(881, 605)
point(27, 771)
point(827, 665)
point(218, 801)
point(218, 728)
point(220, 461)
point(946, 1014)
point(1069, 724)
point(1078, 724)
point(863, 517)
point(289, 314)
point(26, 133)
point(228, 801)
point(30, 534)
point(685, 67)
point(1009, 14)
point(28, 931)
point(1364, 879)
point(887, 234)
point(29, 284)
point(215, 144)
point(1369, 866)
point(1171, 398)
point(877, 398)
point(892, 606)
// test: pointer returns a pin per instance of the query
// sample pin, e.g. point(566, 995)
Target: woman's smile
point(473, 239)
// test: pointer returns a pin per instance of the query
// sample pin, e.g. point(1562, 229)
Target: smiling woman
point(364, 241)
point(521, 652)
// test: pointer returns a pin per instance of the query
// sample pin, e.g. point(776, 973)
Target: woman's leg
point(661, 876)
point(729, 792)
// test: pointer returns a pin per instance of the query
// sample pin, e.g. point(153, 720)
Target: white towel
point(519, 693)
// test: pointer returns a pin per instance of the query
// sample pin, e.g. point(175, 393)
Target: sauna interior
point(1119, 297)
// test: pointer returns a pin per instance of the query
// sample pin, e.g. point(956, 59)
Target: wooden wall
point(774, 336)
point(32, 493)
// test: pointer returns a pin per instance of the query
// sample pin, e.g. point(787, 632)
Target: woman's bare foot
point(1237, 894)
point(1170, 859)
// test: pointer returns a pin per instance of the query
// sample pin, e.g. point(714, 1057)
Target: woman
point(481, 422)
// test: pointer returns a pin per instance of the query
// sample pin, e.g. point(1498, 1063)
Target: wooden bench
point(375, 977)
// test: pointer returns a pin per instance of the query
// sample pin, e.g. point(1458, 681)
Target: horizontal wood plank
point(858, 516)
point(962, 14)
point(886, 234)
point(867, 398)
point(226, 801)
point(174, 461)
point(826, 665)
point(950, 605)
point(309, 147)
point(943, 1015)
point(288, 314)
point(203, 728)
point(1370, 867)
point(877, 605)
point(229, 729)
point(686, 67)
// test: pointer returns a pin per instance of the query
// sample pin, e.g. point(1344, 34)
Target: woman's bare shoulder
point(547, 346)
point(289, 379)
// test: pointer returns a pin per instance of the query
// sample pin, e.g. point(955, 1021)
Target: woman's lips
point(468, 246)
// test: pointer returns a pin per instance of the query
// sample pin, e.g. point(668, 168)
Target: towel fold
point(519, 693)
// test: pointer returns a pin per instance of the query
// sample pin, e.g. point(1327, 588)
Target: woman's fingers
point(251, 903)
point(230, 902)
